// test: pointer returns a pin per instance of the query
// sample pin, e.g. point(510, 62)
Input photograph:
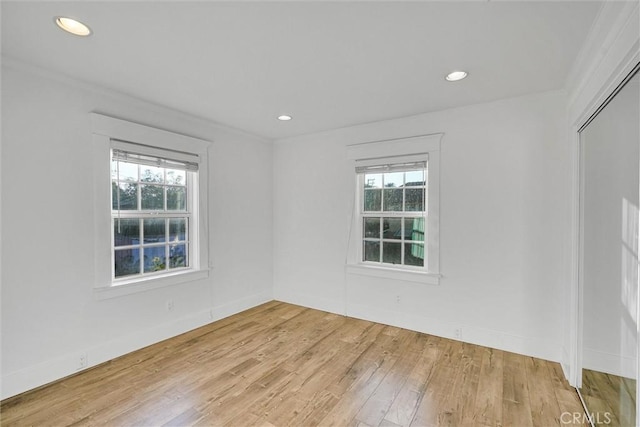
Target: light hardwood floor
point(280, 364)
point(610, 398)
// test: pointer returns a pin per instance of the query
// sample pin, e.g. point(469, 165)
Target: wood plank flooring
point(609, 398)
point(284, 365)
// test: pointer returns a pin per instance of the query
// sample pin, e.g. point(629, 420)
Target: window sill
point(143, 284)
point(394, 273)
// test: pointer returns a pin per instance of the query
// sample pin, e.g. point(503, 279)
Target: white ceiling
point(328, 64)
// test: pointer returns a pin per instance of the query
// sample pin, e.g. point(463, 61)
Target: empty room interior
point(319, 213)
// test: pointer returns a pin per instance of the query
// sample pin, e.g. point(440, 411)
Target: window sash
point(117, 214)
point(375, 166)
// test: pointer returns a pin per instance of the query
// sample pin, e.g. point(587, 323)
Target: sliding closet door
point(610, 153)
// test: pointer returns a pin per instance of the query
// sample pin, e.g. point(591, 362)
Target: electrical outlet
point(170, 305)
point(458, 333)
point(398, 299)
point(83, 361)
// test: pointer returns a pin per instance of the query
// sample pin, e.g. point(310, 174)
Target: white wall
point(504, 202)
point(49, 312)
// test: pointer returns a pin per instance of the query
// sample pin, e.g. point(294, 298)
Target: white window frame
point(110, 133)
point(425, 147)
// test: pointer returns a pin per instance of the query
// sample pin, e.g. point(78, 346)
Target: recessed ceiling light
point(455, 76)
point(284, 118)
point(72, 26)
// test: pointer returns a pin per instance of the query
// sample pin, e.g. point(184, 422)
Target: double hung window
point(395, 228)
point(393, 213)
point(152, 212)
point(151, 217)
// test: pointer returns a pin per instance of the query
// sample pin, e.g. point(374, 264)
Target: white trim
point(395, 147)
point(40, 374)
point(609, 54)
point(105, 129)
point(540, 347)
point(394, 273)
point(127, 131)
point(146, 283)
point(609, 363)
point(404, 149)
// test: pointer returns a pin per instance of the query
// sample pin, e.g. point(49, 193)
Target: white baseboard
point(541, 348)
point(614, 364)
point(34, 376)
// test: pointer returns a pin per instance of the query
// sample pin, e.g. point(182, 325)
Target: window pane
point(126, 232)
point(152, 197)
point(414, 199)
point(414, 229)
point(373, 180)
point(127, 171)
point(127, 262)
point(176, 198)
point(154, 259)
point(392, 199)
point(392, 228)
point(128, 196)
point(414, 178)
point(177, 229)
point(154, 230)
point(151, 174)
point(178, 256)
point(391, 252)
point(372, 200)
point(177, 177)
point(371, 251)
point(394, 179)
point(414, 254)
point(372, 227)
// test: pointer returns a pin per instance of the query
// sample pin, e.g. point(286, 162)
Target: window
point(151, 216)
point(152, 212)
point(393, 213)
point(395, 227)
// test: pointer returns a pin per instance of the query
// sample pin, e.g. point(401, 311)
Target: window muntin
point(393, 214)
point(152, 214)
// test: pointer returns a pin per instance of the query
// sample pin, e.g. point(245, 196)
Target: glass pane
point(152, 197)
point(372, 200)
point(414, 254)
point(154, 259)
point(372, 227)
point(414, 199)
point(151, 174)
point(154, 230)
point(177, 177)
point(177, 229)
point(391, 252)
point(392, 228)
point(414, 178)
point(126, 232)
point(128, 196)
point(176, 198)
point(127, 262)
point(371, 251)
point(394, 179)
point(178, 256)
point(373, 180)
point(414, 229)
point(392, 199)
point(128, 171)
